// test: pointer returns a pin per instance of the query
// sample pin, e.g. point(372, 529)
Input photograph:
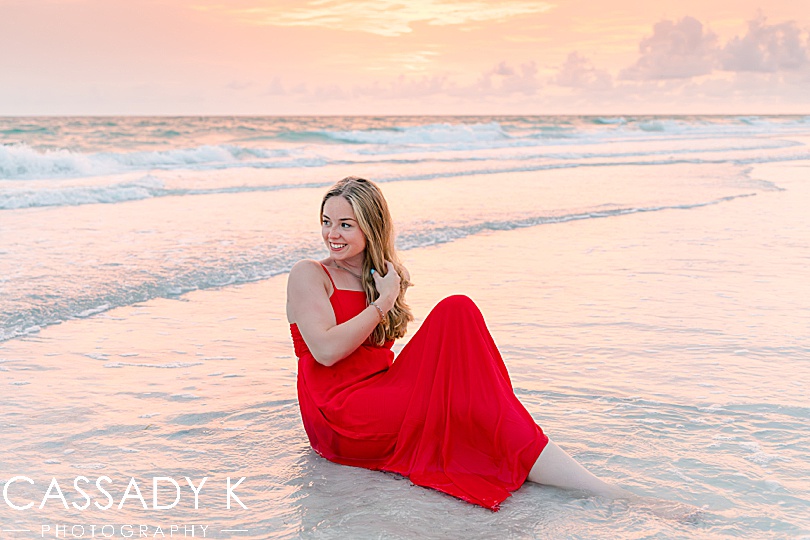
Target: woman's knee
point(457, 307)
point(457, 302)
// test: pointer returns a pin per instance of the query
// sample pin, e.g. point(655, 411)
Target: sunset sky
point(278, 57)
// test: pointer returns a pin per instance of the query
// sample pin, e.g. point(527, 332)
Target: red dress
point(444, 414)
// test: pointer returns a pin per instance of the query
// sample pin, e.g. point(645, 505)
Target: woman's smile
point(342, 234)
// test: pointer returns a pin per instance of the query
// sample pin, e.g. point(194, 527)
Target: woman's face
point(340, 230)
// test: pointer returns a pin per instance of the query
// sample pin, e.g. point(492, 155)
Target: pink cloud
point(504, 79)
point(676, 50)
point(404, 87)
point(330, 91)
point(579, 72)
point(767, 48)
point(275, 88)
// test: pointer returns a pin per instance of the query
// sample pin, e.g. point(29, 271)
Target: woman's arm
point(308, 300)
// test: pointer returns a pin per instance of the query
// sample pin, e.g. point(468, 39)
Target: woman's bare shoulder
point(305, 265)
point(305, 282)
point(305, 271)
point(307, 276)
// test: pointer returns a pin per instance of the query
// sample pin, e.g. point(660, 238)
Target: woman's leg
point(556, 468)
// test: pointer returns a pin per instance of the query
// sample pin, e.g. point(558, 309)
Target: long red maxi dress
point(443, 414)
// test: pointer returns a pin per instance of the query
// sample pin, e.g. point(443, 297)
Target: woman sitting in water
point(444, 413)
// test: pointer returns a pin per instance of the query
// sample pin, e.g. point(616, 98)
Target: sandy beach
point(666, 350)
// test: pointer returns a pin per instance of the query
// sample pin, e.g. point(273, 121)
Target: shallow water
point(644, 280)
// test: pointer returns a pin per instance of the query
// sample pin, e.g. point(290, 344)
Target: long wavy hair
point(374, 219)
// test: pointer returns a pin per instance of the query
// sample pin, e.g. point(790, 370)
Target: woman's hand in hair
point(387, 286)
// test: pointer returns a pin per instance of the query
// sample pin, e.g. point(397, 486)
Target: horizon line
point(512, 115)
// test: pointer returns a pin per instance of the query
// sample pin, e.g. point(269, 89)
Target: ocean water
point(644, 278)
point(165, 189)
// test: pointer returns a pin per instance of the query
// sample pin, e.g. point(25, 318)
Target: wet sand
point(616, 331)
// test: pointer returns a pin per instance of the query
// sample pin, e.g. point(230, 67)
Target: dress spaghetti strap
point(328, 274)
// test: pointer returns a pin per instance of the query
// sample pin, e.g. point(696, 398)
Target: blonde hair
point(374, 219)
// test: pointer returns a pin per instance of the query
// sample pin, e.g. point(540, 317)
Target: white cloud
point(382, 17)
point(676, 50)
point(767, 48)
point(578, 72)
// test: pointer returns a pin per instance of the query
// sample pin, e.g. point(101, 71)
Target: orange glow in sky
point(403, 57)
